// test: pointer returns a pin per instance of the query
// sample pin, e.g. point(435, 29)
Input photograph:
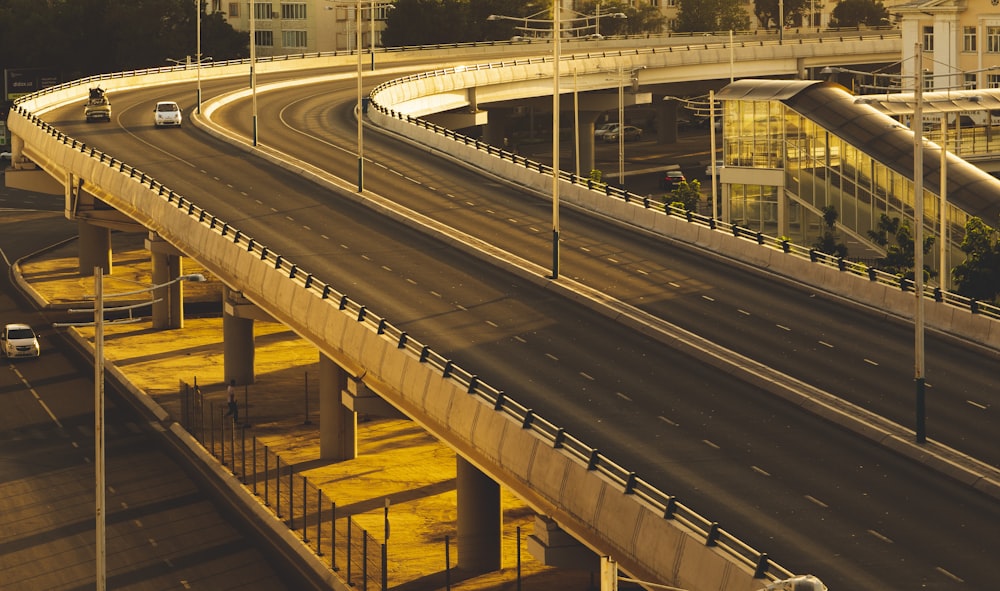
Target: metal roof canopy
point(881, 137)
point(934, 102)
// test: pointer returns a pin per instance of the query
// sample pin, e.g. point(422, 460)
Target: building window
point(262, 10)
point(293, 11)
point(928, 38)
point(234, 9)
point(293, 38)
point(993, 39)
point(264, 38)
point(970, 82)
point(672, 3)
point(969, 39)
point(993, 81)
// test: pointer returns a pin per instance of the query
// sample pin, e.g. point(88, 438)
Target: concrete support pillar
point(666, 114)
point(168, 312)
point(586, 120)
point(238, 347)
point(94, 248)
point(609, 574)
point(338, 425)
point(480, 520)
point(497, 128)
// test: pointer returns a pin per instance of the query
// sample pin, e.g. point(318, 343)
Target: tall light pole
point(361, 145)
point(253, 67)
point(100, 471)
point(918, 249)
point(556, 57)
point(100, 504)
point(197, 53)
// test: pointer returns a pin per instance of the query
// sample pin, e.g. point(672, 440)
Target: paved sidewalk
point(396, 459)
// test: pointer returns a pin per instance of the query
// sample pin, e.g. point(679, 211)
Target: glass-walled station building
point(793, 147)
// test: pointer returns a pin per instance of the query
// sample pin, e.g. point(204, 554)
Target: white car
point(18, 340)
point(167, 114)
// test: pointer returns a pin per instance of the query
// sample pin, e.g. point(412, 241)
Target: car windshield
point(20, 333)
point(166, 107)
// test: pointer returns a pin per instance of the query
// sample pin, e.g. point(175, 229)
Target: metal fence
point(360, 557)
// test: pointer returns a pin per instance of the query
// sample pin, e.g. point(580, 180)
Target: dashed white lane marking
point(520, 339)
point(783, 327)
point(816, 501)
point(870, 362)
point(880, 536)
point(552, 357)
point(825, 344)
point(586, 376)
point(744, 312)
point(708, 298)
point(493, 324)
point(710, 443)
point(949, 574)
point(672, 284)
point(760, 470)
point(976, 404)
point(623, 396)
point(667, 421)
point(38, 398)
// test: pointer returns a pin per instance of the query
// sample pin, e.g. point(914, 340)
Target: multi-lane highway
point(813, 496)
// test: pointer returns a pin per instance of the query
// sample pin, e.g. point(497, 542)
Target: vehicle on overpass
point(98, 105)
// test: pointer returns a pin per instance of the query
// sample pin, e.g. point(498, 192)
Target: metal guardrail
point(577, 450)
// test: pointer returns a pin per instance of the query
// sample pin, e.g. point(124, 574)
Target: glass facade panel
point(820, 170)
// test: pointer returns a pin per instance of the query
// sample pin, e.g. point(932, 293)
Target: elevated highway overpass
point(274, 285)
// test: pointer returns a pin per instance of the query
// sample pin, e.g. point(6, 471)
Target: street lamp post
point(556, 58)
point(253, 68)
point(557, 31)
point(100, 501)
point(197, 52)
point(918, 250)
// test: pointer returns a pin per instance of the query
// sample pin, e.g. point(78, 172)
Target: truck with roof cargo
point(98, 106)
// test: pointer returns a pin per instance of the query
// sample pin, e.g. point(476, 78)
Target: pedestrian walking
point(234, 409)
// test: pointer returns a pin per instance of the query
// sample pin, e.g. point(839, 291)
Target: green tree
point(768, 12)
point(711, 15)
point(427, 22)
point(84, 37)
point(978, 276)
point(899, 258)
point(829, 242)
point(687, 194)
point(852, 13)
point(639, 19)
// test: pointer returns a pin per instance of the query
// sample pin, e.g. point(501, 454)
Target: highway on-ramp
point(813, 496)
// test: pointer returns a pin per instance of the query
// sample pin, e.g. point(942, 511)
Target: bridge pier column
point(237, 336)
point(498, 128)
point(480, 520)
point(666, 114)
point(94, 249)
point(338, 424)
point(585, 121)
point(552, 546)
point(167, 266)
